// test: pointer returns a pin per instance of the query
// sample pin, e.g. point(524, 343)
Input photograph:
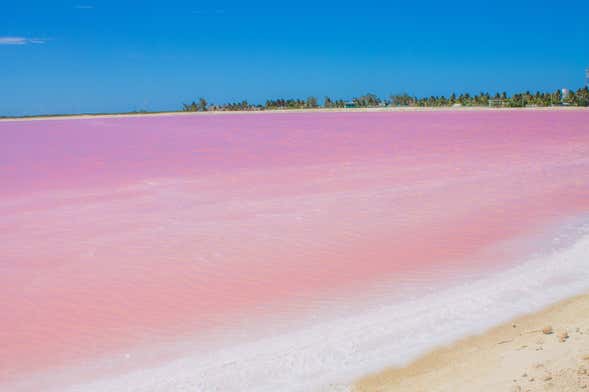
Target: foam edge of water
point(330, 355)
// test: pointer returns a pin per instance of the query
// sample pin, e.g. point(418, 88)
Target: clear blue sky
point(103, 56)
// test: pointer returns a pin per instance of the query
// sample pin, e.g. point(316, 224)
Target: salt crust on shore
point(330, 355)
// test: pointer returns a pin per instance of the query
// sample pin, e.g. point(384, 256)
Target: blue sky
point(107, 56)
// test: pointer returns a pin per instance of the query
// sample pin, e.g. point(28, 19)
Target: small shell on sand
point(563, 336)
point(547, 330)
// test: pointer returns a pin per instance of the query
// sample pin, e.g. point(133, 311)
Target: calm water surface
point(116, 231)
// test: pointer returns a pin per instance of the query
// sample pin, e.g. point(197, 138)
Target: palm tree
point(202, 105)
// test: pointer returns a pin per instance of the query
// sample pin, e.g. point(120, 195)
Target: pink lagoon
point(278, 251)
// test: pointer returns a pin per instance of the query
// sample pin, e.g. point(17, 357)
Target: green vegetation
point(367, 101)
point(579, 97)
point(329, 103)
point(201, 106)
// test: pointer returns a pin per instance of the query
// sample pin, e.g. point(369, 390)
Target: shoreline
point(489, 360)
point(285, 111)
point(380, 334)
point(545, 350)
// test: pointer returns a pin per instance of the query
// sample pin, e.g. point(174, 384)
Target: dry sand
point(546, 351)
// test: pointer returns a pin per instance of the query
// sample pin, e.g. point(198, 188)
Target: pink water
point(114, 231)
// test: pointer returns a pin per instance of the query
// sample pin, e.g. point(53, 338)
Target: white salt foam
point(329, 355)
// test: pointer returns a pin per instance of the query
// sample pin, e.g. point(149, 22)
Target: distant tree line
point(579, 97)
point(201, 106)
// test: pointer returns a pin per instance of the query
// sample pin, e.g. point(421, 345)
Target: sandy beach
point(545, 351)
